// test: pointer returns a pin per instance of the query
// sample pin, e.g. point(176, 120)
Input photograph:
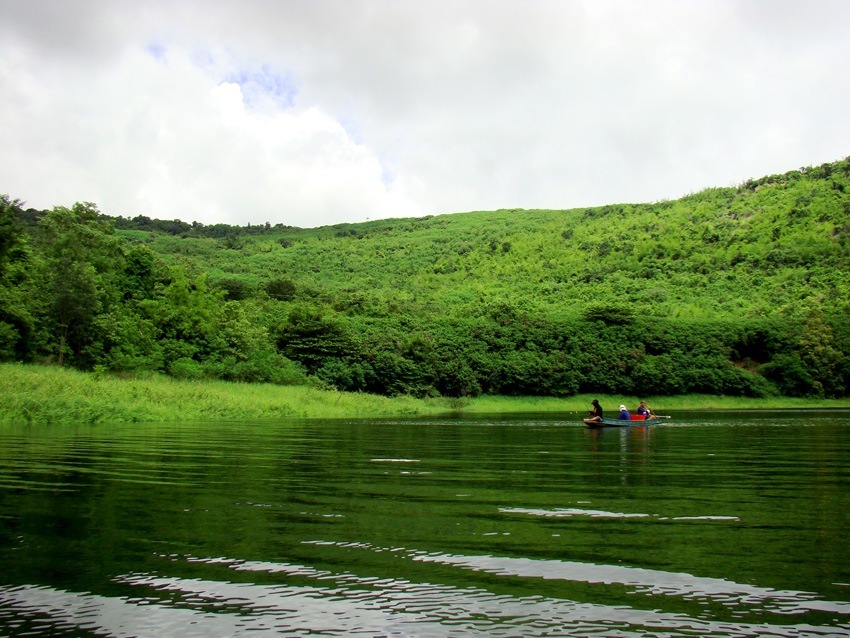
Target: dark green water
point(718, 524)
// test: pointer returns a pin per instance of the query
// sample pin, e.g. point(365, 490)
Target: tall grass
point(38, 394)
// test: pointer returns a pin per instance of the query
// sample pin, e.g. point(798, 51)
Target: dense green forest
point(737, 291)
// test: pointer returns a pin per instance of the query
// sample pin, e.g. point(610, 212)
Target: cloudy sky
point(313, 112)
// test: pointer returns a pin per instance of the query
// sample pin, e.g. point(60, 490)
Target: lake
point(713, 524)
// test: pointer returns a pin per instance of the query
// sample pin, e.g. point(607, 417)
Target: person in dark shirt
point(644, 410)
point(596, 412)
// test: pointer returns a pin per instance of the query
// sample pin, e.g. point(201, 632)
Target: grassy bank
point(36, 394)
point(661, 405)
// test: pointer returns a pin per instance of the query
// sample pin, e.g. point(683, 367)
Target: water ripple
point(344, 603)
point(647, 581)
point(569, 512)
point(348, 605)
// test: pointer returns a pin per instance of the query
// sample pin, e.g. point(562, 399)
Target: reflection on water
point(577, 511)
point(713, 526)
point(347, 604)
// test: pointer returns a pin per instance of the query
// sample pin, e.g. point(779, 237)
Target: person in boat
point(644, 410)
point(596, 412)
point(624, 414)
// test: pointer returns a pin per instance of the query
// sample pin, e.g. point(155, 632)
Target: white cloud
point(310, 113)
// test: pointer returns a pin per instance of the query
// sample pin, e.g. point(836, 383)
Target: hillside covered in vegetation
point(740, 291)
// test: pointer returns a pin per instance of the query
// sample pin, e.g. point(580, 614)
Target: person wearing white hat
point(624, 414)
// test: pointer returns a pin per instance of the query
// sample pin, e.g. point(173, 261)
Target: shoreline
point(42, 395)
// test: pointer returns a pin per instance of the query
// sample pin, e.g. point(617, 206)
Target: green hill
point(730, 290)
point(755, 250)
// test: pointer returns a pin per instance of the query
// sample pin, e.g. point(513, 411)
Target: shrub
point(234, 289)
point(613, 314)
point(281, 289)
point(347, 374)
point(9, 338)
point(185, 368)
point(791, 376)
point(261, 366)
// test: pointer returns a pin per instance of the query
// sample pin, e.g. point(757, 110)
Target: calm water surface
point(718, 524)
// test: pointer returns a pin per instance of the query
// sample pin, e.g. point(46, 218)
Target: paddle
point(655, 416)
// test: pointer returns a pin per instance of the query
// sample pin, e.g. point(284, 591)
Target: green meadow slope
point(761, 249)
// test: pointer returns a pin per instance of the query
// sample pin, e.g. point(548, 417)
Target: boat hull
point(619, 423)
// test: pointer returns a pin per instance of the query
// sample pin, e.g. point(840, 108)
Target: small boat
point(621, 423)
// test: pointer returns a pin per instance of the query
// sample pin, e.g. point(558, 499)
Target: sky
point(317, 112)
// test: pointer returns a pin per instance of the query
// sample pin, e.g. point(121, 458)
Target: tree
point(78, 257)
point(11, 232)
point(310, 337)
point(15, 322)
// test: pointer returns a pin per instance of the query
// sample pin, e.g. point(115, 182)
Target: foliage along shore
point(49, 395)
point(739, 291)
